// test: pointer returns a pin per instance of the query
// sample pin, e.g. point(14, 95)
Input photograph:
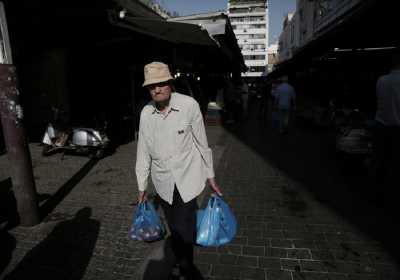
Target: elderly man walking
point(173, 147)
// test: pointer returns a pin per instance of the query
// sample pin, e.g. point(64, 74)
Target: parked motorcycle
point(80, 140)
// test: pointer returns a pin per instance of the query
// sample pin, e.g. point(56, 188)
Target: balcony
point(247, 5)
point(261, 63)
point(247, 2)
point(239, 23)
point(251, 41)
point(251, 31)
point(254, 52)
point(252, 74)
point(248, 14)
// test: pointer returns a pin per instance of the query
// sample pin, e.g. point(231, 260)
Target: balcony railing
point(247, 14)
point(247, 2)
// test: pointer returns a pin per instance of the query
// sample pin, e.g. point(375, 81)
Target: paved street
point(298, 218)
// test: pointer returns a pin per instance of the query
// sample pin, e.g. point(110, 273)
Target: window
point(261, 47)
point(254, 57)
point(256, 68)
point(257, 36)
point(238, 10)
point(258, 26)
point(259, 9)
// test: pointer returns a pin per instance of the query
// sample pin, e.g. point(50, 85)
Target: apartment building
point(249, 19)
point(272, 56)
point(310, 20)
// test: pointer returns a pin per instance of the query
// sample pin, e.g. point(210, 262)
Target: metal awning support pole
point(17, 147)
point(14, 135)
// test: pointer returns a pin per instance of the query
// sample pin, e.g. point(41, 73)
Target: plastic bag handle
point(143, 205)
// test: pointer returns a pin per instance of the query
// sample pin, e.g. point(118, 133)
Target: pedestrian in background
point(229, 101)
point(387, 131)
point(245, 99)
point(285, 101)
point(173, 145)
point(272, 105)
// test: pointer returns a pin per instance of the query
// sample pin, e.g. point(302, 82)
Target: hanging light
point(122, 13)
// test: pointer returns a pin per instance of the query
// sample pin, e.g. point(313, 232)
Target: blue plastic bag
point(216, 224)
point(146, 224)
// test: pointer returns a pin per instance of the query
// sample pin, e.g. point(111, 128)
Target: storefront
point(87, 60)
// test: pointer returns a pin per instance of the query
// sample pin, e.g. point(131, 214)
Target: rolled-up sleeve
point(200, 139)
point(143, 159)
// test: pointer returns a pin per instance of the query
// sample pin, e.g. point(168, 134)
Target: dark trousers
point(386, 158)
point(181, 218)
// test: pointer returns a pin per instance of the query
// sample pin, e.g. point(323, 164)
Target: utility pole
point(14, 134)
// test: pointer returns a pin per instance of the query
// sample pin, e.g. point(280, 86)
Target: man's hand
point(142, 197)
point(214, 186)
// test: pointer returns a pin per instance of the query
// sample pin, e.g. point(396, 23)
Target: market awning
point(174, 32)
point(219, 28)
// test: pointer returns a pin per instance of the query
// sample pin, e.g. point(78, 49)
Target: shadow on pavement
point(64, 254)
point(308, 157)
point(8, 205)
point(160, 264)
point(7, 245)
point(65, 189)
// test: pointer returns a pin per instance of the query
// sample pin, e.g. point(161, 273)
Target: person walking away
point(272, 106)
point(173, 147)
point(245, 99)
point(387, 131)
point(285, 98)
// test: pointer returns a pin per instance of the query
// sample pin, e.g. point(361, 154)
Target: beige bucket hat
point(156, 72)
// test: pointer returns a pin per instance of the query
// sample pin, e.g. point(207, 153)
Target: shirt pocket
point(183, 137)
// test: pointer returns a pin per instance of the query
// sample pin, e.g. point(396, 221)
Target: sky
point(277, 10)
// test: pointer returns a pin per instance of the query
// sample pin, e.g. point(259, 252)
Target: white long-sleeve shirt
point(173, 147)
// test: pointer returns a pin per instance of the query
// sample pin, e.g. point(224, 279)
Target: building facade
point(305, 14)
point(287, 39)
point(272, 57)
point(327, 13)
point(311, 20)
point(249, 19)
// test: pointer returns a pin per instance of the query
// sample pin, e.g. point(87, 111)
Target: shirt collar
point(172, 107)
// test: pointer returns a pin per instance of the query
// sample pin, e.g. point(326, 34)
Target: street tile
point(227, 259)
point(254, 250)
point(278, 275)
point(284, 233)
point(290, 264)
point(247, 261)
point(270, 263)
